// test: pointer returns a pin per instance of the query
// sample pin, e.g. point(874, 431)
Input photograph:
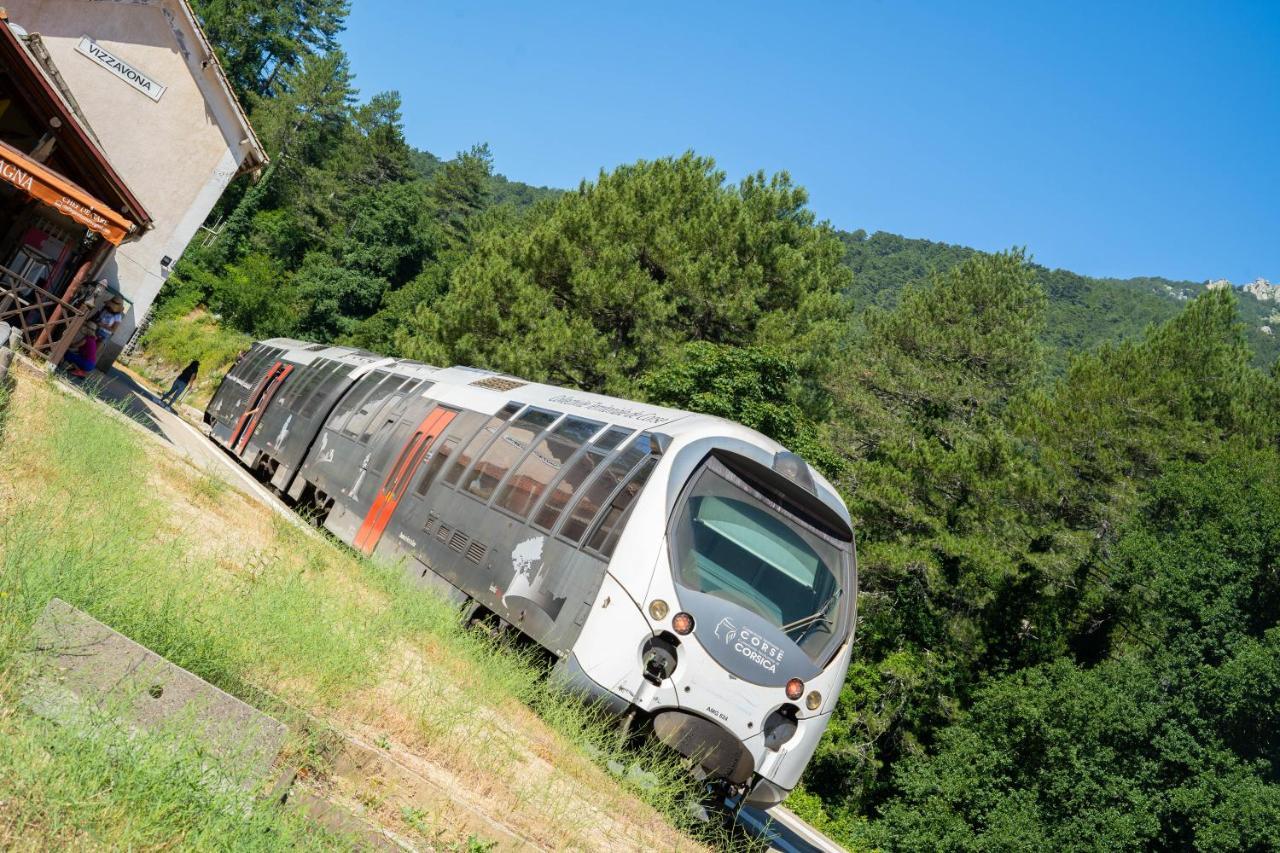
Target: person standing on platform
point(180, 384)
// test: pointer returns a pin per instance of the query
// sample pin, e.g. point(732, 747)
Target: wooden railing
point(47, 324)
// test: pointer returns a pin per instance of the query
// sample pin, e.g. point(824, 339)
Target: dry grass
point(475, 746)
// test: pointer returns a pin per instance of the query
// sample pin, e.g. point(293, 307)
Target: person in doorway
point(83, 356)
point(180, 385)
point(110, 318)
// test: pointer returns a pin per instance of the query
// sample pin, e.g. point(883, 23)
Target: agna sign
point(37, 181)
point(117, 66)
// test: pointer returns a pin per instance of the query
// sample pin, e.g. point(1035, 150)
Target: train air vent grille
point(476, 552)
point(498, 383)
point(443, 533)
point(458, 542)
point(432, 519)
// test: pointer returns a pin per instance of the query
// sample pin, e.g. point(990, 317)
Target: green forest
point(1066, 490)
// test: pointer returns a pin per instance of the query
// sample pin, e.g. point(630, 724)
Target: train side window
point(391, 438)
point(611, 439)
point(249, 369)
point(316, 374)
point(334, 375)
point(391, 393)
point(598, 491)
point(606, 535)
point(269, 356)
point(370, 405)
point(245, 365)
point(433, 466)
point(299, 379)
point(478, 443)
point(530, 478)
point(578, 472)
point(506, 450)
point(302, 379)
point(353, 398)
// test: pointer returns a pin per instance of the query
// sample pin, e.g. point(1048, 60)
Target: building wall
point(176, 155)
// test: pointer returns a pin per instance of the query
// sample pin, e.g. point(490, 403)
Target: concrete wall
point(176, 155)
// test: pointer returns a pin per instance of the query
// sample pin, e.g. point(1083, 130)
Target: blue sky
point(1111, 138)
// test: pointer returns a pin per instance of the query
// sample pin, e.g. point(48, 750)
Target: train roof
point(488, 391)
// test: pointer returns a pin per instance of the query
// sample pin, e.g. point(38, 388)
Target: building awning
point(47, 186)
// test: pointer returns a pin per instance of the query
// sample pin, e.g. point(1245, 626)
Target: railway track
point(785, 831)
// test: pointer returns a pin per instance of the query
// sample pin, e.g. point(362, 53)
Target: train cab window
point(433, 466)
point(734, 543)
point(530, 478)
point(605, 537)
point(478, 443)
point(599, 490)
point(326, 382)
point(506, 450)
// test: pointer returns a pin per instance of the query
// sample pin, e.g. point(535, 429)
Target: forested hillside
point(1082, 312)
point(1066, 490)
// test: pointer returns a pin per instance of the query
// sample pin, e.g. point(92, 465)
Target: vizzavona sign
point(117, 66)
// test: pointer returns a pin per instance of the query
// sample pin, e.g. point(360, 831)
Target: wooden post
point(63, 343)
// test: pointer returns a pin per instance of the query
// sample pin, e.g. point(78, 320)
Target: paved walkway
point(180, 429)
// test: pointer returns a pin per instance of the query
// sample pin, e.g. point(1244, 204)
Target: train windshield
point(732, 543)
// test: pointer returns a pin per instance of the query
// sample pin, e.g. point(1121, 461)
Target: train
point(682, 569)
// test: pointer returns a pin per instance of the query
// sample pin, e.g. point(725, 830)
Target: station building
point(118, 133)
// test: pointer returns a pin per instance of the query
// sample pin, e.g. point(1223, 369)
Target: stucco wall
point(176, 155)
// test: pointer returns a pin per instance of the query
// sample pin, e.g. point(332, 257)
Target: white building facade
point(150, 90)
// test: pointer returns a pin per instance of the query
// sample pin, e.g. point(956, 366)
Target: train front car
point(728, 610)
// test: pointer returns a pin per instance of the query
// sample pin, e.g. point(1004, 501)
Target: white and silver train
point(682, 568)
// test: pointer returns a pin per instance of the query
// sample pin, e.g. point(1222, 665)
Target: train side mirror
point(795, 469)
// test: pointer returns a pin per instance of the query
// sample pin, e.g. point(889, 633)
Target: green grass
point(287, 621)
point(177, 337)
point(96, 787)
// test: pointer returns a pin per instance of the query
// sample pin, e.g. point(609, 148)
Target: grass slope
point(91, 512)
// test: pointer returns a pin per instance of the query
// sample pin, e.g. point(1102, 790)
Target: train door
point(257, 404)
point(399, 476)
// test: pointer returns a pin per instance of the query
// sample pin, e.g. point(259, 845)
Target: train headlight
point(795, 689)
point(682, 623)
point(658, 609)
point(813, 700)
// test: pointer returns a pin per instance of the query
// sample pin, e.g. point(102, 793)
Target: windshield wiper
point(820, 616)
